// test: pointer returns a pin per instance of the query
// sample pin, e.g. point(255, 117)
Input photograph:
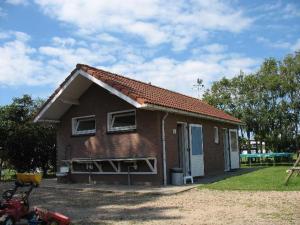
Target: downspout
point(164, 147)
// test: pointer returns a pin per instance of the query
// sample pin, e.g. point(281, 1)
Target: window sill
point(122, 131)
point(83, 135)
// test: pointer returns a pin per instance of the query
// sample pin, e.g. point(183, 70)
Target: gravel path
point(191, 207)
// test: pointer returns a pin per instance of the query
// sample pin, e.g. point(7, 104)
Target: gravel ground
point(191, 207)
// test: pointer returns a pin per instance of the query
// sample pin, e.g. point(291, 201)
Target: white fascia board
point(41, 113)
point(50, 121)
point(182, 112)
point(70, 101)
point(110, 89)
point(94, 80)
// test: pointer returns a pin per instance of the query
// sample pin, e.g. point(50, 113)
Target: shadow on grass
point(218, 177)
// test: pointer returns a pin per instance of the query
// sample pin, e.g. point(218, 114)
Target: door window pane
point(233, 141)
point(196, 141)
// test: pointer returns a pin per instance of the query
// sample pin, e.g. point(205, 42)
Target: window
point(233, 140)
point(83, 125)
point(121, 121)
point(216, 135)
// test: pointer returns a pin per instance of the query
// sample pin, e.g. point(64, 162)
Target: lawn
point(7, 174)
point(263, 179)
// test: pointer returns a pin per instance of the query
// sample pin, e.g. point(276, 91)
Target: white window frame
point(216, 135)
point(110, 121)
point(75, 124)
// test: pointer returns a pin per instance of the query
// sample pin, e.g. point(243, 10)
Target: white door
point(226, 150)
point(196, 150)
point(234, 149)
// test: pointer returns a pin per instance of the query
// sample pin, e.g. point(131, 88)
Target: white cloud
point(17, 2)
point(107, 38)
point(63, 41)
point(296, 46)
point(50, 64)
point(280, 44)
point(155, 21)
point(215, 48)
point(182, 75)
point(291, 11)
point(16, 64)
point(277, 10)
point(68, 57)
point(273, 44)
point(24, 65)
point(2, 13)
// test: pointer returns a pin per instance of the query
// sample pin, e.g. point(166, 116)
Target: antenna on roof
point(199, 86)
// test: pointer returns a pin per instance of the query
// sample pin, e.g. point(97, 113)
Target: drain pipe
point(164, 147)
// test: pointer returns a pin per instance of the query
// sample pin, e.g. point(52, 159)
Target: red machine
point(45, 217)
point(15, 207)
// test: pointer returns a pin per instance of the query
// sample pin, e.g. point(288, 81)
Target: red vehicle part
point(14, 208)
point(51, 218)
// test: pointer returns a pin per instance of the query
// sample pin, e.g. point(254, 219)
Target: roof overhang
point(185, 113)
point(79, 81)
point(70, 92)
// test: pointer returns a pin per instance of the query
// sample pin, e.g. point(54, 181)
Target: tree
point(268, 101)
point(26, 145)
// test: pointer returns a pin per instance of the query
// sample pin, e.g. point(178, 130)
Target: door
point(226, 150)
point(183, 153)
point(196, 150)
point(234, 149)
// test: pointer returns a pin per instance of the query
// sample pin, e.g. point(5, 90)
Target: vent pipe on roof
point(164, 147)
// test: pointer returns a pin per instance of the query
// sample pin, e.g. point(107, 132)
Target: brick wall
point(213, 153)
point(144, 142)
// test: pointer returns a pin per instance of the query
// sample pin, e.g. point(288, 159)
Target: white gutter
point(164, 147)
point(182, 112)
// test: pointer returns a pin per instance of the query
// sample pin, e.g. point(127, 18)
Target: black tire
point(7, 195)
point(7, 220)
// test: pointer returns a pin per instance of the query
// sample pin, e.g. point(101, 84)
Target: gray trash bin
point(177, 176)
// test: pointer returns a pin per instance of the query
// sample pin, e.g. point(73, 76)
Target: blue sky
point(167, 43)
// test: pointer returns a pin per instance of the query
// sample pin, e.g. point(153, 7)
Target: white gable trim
point(110, 89)
point(93, 79)
point(37, 118)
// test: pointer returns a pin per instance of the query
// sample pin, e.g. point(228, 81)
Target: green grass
point(263, 179)
point(8, 175)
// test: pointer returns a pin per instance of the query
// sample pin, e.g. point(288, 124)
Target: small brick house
point(110, 125)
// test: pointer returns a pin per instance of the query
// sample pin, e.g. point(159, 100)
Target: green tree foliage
point(26, 145)
point(268, 101)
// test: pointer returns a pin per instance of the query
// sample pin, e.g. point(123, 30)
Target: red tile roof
point(145, 93)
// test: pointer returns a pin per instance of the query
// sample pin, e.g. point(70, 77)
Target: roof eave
point(73, 75)
point(182, 112)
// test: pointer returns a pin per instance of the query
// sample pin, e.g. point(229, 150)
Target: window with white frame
point(216, 135)
point(121, 120)
point(84, 125)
